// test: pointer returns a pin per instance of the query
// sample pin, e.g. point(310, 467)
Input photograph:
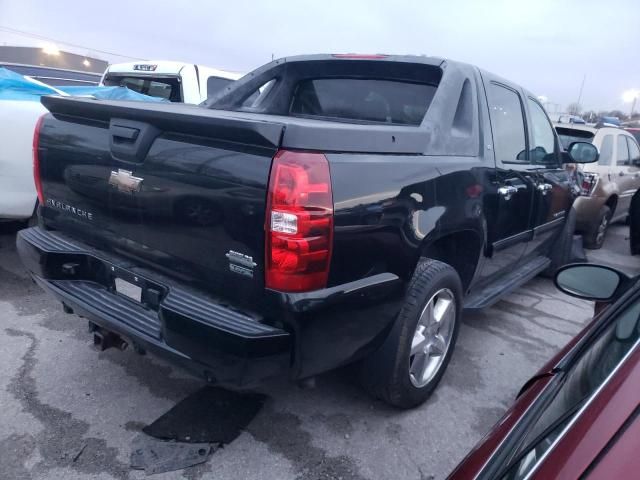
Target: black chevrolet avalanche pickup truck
point(321, 211)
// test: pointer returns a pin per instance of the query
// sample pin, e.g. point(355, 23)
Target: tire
point(562, 252)
point(594, 238)
point(392, 373)
point(13, 226)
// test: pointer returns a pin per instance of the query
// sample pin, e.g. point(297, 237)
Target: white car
point(17, 191)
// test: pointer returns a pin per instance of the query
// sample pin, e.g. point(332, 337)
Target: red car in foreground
point(579, 417)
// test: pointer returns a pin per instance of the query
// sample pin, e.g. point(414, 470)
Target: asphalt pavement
point(69, 412)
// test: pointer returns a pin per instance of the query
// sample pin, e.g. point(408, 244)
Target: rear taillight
point(36, 160)
point(299, 222)
point(589, 181)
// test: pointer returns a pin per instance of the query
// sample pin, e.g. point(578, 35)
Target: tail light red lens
point(299, 222)
point(589, 182)
point(36, 159)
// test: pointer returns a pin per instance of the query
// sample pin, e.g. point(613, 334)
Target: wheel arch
point(612, 202)
point(460, 248)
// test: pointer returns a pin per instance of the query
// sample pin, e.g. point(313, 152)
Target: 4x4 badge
point(124, 181)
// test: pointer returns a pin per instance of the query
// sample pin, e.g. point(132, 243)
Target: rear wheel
point(594, 238)
point(411, 362)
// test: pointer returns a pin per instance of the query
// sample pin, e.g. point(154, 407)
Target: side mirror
point(589, 282)
point(582, 152)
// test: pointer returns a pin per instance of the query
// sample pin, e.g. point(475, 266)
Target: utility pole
point(633, 106)
point(581, 88)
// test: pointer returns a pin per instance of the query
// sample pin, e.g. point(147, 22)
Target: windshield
point(167, 88)
point(570, 135)
point(578, 384)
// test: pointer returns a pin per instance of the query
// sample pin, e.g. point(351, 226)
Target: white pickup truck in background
point(174, 81)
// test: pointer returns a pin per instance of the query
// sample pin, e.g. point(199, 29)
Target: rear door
point(552, 195)
point(634, 167)
point(510, 209)
point(621, 173)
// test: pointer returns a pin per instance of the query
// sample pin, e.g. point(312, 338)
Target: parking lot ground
point(69, 412)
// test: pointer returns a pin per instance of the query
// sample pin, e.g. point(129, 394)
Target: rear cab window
point(348, 91)
point(161, 87)
point(369, 100)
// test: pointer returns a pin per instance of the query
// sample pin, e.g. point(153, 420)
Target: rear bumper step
point(181, 322)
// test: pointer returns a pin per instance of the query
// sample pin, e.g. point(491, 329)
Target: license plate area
point(128, 289)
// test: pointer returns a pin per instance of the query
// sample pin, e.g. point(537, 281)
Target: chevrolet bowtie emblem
point(124, 181)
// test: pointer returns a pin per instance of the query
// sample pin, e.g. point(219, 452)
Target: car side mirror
point(590, 282)
point(582, 152)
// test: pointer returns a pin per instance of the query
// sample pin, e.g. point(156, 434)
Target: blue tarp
point(110, 93)
point(14, 86)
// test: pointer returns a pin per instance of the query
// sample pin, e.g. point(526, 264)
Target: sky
point(547, 46)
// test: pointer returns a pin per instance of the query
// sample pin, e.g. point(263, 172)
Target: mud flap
point(577, 249)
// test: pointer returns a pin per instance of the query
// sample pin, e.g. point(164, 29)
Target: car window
point(216, 84)
point(370, 100)
point(581, 381)
point(636, 133)
point(255, 99)
point(507, 124)
point(167, 88)
point(622, 151)
point(570, 135)
point(634, 151)
point(544, 140)
point(606, 150)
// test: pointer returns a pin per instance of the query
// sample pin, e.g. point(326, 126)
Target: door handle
point(507, 191)
point(544, 187)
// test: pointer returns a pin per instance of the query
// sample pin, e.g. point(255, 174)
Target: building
point(53, 66)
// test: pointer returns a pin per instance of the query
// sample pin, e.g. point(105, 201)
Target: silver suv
point(607, 186)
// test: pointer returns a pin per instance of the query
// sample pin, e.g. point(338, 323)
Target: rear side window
point(634, 151)
point(507, 124)
point(622, 151)
point(606, 150)
point(216, 84)
point(636, 133)
point(368, 100)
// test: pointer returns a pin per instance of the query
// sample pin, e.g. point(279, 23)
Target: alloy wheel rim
point(432, 337)
point(602, 228)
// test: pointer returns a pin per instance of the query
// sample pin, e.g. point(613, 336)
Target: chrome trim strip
point(575, 418)
point(507, 435)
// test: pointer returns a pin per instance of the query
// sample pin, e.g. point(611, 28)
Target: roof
point(577, 126)
point(165, 67)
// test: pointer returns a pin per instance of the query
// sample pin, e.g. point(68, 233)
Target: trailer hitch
point(103, 338)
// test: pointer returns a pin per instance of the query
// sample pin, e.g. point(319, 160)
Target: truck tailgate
point(176, 187)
